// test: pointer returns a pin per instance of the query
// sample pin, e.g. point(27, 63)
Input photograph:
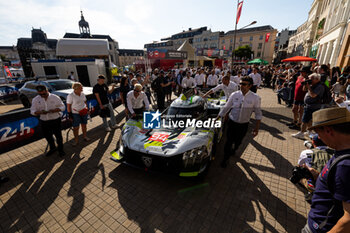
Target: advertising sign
point(165, 54)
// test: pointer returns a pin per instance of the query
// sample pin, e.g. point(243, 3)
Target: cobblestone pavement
point(87, 192)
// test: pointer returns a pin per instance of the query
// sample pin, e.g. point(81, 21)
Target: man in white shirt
point(212, 80)
point(237, 78)
point(200, 79)
point(48, 107)
point(256, 80)
point(137, 101)
point(240, 107)
point(188, 82)
point(227, 86)
point(71, 77)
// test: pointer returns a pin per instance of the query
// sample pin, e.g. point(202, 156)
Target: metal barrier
point(19, 128)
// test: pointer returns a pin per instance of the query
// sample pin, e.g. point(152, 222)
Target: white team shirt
point(200, 79)
point(53, 101)
point(188, 82)
point(212, 80)
point(228, 90)
point(136, 103)
point(77, 102)
point(256, 79)
point(235, 79)
point(242, 107)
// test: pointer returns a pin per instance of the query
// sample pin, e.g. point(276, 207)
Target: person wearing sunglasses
point(137, 101)
point(49, 107)
point(240, 106)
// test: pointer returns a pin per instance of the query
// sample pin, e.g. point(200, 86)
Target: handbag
point(83, 112)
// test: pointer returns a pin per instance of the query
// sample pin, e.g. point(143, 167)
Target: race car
point(185, 151)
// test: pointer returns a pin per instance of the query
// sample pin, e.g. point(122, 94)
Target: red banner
point(239, 11)
point(267, 37)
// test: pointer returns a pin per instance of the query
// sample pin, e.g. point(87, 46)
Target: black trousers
point(234, 135)
point(160, 101)
point(53, 127)
point(254, 88)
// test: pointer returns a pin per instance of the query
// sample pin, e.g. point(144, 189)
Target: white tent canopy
point(82, 47)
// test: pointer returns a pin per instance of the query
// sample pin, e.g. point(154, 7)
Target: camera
point(307, 81)
point(299, 173)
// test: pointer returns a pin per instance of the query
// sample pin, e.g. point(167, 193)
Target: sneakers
point(299, 135)
point(115, 126)
point(108, 129)
point(75, 143)
point(86, 139)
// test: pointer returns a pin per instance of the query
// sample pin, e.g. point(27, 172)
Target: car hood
point(87, 91)
point(163, 142)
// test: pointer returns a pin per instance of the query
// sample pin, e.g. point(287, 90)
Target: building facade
point(281, 45)
point(256, 38)
point(36, 47)
point(207, 40)
point(333, 29)
point(344, 55)
point(129, 56)
point(175, 41)
point(84, 30)
point(296, 42)
point(10, 53)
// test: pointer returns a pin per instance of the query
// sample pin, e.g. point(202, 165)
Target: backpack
point(320, 158)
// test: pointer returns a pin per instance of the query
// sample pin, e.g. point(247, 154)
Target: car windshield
point(61, 85)
point(182, 113)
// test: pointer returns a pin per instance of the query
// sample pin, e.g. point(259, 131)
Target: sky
point(135, 22)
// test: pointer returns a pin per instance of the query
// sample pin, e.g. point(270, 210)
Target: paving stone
point(87, 192)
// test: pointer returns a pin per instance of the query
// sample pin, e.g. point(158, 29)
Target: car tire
point(25, 101)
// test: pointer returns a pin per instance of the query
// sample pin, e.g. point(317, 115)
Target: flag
point(239, 10)
point(267, 37)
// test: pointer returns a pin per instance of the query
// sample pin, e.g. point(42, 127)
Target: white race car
point(185, 151)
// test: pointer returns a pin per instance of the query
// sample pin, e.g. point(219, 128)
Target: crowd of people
point(315, 93)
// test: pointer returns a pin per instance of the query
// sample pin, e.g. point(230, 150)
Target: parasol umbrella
point(258, 61)
point(299, 58)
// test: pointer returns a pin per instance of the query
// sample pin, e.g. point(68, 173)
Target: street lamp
point(234, 40)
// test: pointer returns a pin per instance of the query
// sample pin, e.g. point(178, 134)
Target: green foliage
point(3, 57)
point(321, 23)
point(243, 51)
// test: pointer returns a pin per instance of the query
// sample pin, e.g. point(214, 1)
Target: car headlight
point(194, 156)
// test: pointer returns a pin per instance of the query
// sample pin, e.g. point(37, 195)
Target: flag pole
point(234, 38)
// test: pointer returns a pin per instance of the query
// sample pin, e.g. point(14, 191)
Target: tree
point(2, 57)
point(244, 52)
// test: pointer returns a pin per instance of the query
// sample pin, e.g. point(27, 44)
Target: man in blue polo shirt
point(330, 208)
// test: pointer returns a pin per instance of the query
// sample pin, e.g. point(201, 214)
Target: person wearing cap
point(240, 106)
point(48, 107)
point(298, 103)
point(330, 208)
point(313, 102)
point(227, 86)
point(100, 91)
point(137, 101)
